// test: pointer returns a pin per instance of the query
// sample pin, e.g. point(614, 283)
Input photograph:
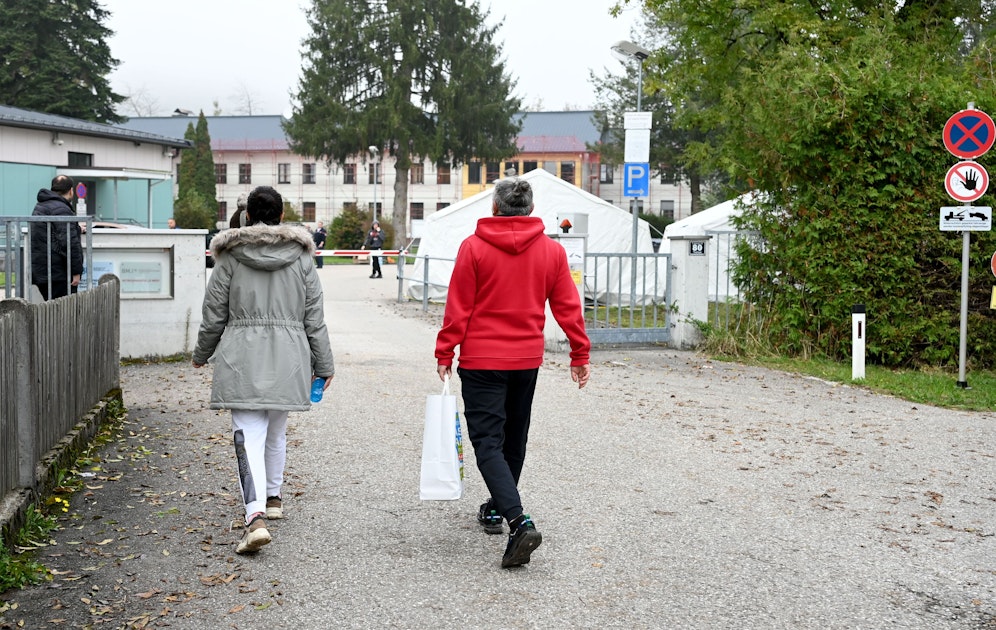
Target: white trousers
point(261, 452)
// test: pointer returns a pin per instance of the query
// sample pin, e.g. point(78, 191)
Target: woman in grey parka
point(263, 327)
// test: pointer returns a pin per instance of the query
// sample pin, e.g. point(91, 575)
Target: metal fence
point(15, 248)
point(626, 294)
point(59, 360)
point(725, 296)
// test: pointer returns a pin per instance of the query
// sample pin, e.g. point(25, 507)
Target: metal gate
point(627, 298)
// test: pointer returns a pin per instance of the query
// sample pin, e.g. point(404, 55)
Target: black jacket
point(51, 204)
point(375, 239)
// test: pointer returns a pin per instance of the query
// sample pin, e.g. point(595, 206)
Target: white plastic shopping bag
point(442, 448)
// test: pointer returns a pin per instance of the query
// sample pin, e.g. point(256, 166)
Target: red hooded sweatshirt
point(495, 308)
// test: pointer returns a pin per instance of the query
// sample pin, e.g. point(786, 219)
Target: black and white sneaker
point(489, 518)
point(523, 540)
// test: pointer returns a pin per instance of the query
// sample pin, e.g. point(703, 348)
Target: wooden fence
point(59, 365)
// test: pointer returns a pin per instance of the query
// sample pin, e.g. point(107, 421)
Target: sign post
point(636, 170)
point(967, 135)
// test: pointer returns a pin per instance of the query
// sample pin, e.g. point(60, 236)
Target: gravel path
point(672, 492)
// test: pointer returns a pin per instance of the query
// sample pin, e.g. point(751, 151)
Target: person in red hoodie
point(495, 311)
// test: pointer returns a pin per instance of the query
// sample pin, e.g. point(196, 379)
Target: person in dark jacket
point(56, 260)
point(505, 274)
point(375, 240)
point(319, 236)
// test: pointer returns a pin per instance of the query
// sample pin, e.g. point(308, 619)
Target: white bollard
point(858, 342)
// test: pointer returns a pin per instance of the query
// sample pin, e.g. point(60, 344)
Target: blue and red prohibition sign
point(969, 133)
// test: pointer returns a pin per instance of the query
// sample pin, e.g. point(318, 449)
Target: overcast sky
point(190, 54)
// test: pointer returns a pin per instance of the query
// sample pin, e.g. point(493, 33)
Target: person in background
point(56, 255)
point(374, 241)
point(239, 218)
point(319, 237)
point(263, 326)
point(504, 275)
point(171, 224)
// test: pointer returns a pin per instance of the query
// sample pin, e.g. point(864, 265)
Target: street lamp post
point(624, 51)
point(375, 155)
point(628, 50)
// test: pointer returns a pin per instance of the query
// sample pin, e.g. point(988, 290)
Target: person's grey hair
point(513, 197)
point(242, 201)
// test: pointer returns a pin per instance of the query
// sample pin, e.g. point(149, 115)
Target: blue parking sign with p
point(636, 179)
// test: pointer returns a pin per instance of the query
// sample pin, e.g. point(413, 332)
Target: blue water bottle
point(317, 389)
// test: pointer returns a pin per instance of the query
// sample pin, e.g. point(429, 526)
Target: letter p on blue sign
point(636, 179)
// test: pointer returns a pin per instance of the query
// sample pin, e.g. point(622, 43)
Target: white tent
point(609, 229)
point(717, 223)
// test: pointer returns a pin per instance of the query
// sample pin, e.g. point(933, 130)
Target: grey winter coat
point(263, 322)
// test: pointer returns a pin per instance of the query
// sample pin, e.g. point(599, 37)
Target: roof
point(228, 133)
point(27, 119)
point(557, 132)
point(542, 132)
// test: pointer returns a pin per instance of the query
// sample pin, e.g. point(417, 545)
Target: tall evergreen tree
point(197, 195)
point(417, 79)
point(54, 58)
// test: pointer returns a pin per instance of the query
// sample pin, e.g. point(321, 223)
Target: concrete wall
point(156, 325)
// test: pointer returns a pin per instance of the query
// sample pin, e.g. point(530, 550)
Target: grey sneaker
point(255, 537)
point(523, 540)
point(274, 508)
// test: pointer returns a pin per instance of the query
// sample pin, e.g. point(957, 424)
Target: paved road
point(673, 492)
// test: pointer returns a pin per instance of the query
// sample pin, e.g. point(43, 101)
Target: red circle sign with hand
point(966, 181)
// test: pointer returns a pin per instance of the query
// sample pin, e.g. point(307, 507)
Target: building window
point(374, 169)
point(605, 172)
point(443, 174)
point(308, 210)
point(567, 171)
point(283, 173)
point(245, 173)
point(667, 209)
point(550, 167)
point(529, 166)
point(417, 172)
point(417, 210)
point(348, 173)
point(222, 211)
point(440, 205)
point(669, 175)
point(221, 173)
point(494, 172)
point(473, 172)
point(511, 169)
point(80, 160)
point(308, 171)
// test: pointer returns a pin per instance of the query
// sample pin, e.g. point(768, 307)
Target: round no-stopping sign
point(969, 133)
point(81, 190)
point(966, 181)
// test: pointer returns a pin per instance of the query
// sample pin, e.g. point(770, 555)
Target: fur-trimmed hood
point(264, 246)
